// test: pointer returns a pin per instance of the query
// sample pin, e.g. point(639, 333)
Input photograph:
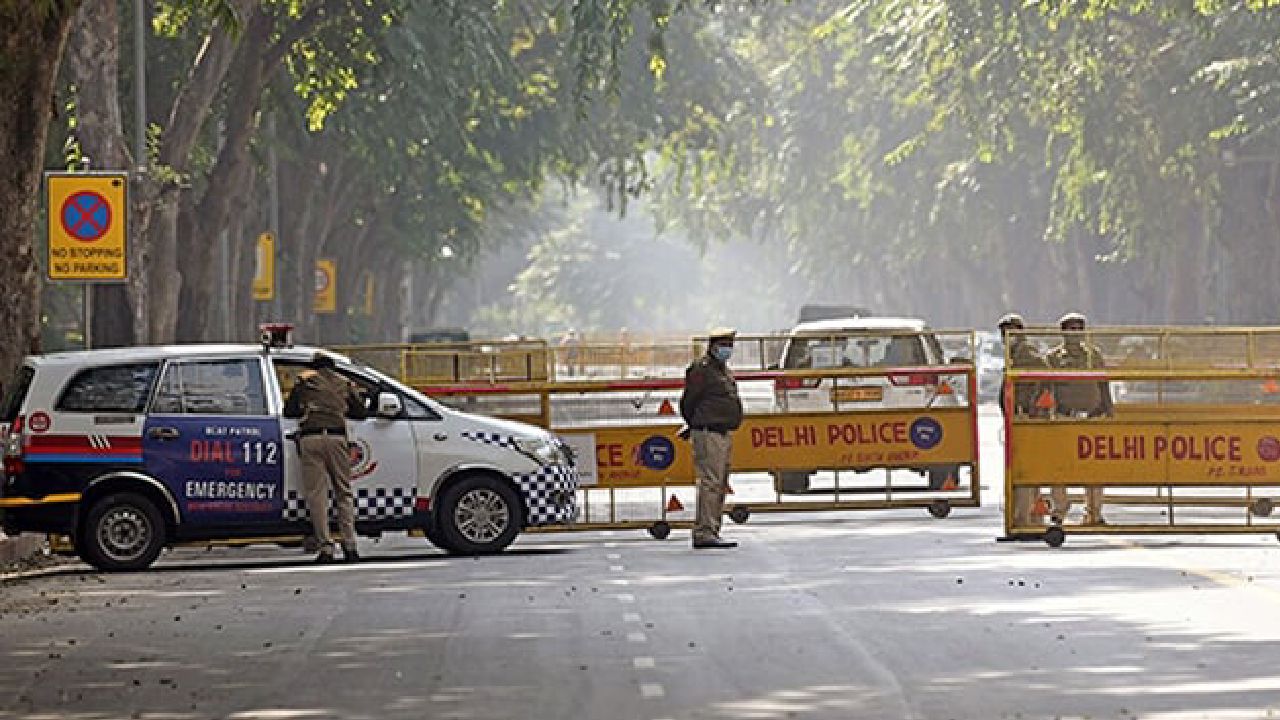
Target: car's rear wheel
point(479, 514)
point(123, 531)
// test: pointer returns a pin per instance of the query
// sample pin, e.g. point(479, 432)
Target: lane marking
point(651, 690)
point(644, 663)
point(613, 556)
point(631, 617)
point(625, 598)
point(637, 637)
point(616, 568)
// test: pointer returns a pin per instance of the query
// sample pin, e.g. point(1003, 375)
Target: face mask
point(722, 352)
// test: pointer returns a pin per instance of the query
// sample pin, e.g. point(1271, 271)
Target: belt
point(713, 428)
point(323, 431)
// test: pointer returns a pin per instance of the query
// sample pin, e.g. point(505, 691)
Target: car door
point(212, 440)
point(384, 464)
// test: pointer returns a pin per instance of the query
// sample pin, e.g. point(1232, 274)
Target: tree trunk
point(93, 59)
point(31, 46)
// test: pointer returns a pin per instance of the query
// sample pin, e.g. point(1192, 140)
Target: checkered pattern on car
point(371, 504)
point(489, 438)
point(550, 494)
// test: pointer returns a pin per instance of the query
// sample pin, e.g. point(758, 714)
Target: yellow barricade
point(822, 434)
point(1183, 436)
point(488, 361)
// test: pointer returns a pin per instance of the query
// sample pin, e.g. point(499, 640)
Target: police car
point(129, 451)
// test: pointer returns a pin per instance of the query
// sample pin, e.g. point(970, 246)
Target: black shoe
point(714, 544)
point(325, 558)
point(350, 556)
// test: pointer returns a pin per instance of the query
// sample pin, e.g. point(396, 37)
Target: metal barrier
point(1160, 430)
point(489, 361)
point(840, 433)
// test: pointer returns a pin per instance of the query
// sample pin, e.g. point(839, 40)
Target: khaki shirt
point(1093, 398)
point(1024, 357)
point(323, 399)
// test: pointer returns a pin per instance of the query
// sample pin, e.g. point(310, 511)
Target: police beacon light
point(276, 335)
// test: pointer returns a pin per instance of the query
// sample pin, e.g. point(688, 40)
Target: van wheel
point(122, 532)
point(434, 536)
point(479, 514)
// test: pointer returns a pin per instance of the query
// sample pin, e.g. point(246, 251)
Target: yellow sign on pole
point(264, 279)
point(326, 301)
point(87, 226)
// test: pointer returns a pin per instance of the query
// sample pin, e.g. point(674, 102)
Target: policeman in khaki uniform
point(712, 411)
point(324, 399)
point(1022, 356)
point(1079, 400)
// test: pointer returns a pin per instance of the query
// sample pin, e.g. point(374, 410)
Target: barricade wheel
point(939, 508)
point(1262, 507)
point(1054, 537)
point(740, 514)
point(660, 530)
point(122, 532)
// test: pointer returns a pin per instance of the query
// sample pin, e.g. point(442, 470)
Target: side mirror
point(389, 405)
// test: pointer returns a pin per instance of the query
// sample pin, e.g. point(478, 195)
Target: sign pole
point(88, 316)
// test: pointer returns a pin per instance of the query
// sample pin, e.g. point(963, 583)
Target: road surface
point(854, 615)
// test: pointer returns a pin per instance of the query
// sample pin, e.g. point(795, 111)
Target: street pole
point(273, 167)
point(140, 85)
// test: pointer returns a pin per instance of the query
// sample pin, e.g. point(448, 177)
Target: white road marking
point(614, 556)
point(637, 637)
point(643, 663)
point(625, 598)
point(630, 617)
point(616, 568)
point(651, 690)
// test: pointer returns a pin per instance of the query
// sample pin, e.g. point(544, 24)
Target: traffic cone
point(1271, 387)
point(674, 504)
point(1040, 508)
point(950, 483)
point(666, 408)
point(1045, 401)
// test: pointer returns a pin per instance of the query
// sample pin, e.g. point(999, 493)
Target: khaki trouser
point(1092, 502)
point(326, 464)
point(712, 452)
point(1024, 501)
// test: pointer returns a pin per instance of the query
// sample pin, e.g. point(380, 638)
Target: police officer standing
point(1021, 397)
point(324, 399)
point(712, 411)
point(1079, 399)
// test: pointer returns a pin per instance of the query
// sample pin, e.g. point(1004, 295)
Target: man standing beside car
point(712, 410)
point(324, 399)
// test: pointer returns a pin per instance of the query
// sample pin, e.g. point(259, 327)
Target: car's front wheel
point(123, 531)
point(479, 514)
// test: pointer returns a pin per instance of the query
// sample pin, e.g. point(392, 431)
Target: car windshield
point(857, 351)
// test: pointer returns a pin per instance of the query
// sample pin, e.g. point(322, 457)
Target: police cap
point(1072, 318)
point(722, 333)
point(1011, 320)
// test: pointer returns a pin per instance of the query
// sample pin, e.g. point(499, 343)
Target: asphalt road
point(855, 615)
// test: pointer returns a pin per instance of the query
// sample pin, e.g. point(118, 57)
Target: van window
point(110, 388)
point(212, 387)
point(16, 393)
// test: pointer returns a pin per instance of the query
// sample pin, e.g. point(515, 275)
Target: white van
point(129, 451)
point(863, 342)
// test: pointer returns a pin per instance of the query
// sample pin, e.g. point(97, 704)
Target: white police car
point(129, 451)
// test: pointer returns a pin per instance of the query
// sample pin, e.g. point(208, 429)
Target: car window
point(111, 388)
point(368, 387)
point(857, 351)
point(212, 387)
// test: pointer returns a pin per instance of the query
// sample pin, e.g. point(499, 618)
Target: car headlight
point(540, 450)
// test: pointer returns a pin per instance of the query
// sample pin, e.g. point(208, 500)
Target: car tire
point(122, 532)
point(434, 536)
point(479, 515)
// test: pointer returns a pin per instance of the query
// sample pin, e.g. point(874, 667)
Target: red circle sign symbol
point(86, 216)
point(40, 421)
